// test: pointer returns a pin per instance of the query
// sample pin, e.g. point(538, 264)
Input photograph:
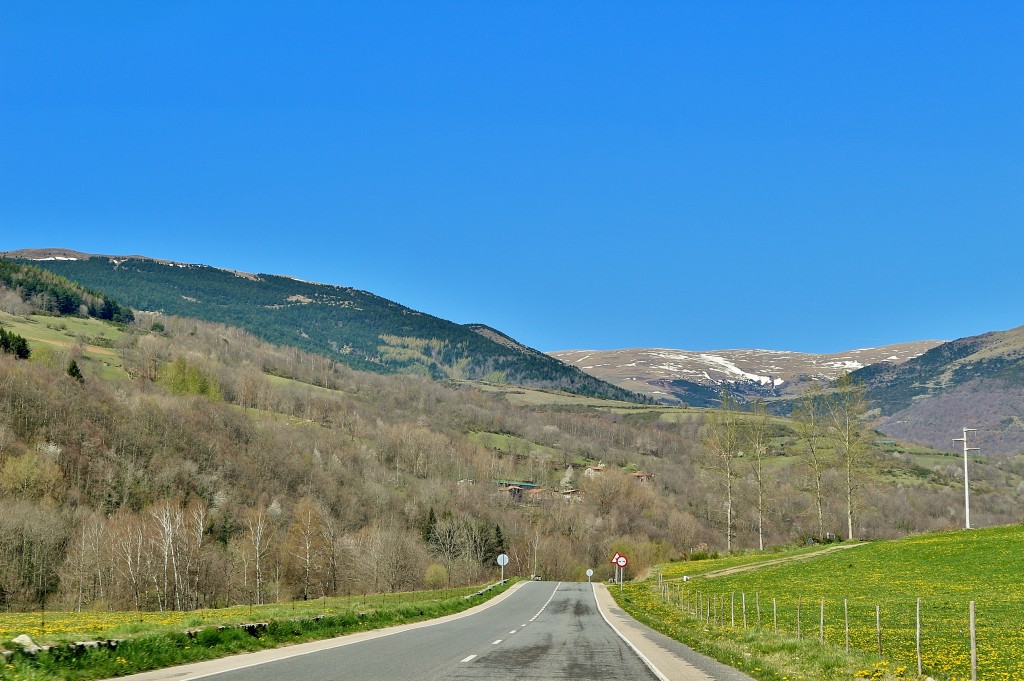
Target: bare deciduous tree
point(809, 423)
point(722, 438)
point(846, 409)
point(257, 535)
point(758, 439)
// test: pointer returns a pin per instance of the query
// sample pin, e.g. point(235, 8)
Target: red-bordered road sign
point(619, 559)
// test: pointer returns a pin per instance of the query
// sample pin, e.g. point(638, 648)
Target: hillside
point(697, 378)
point(977, 382)
point(355, 327)
point(273, 473)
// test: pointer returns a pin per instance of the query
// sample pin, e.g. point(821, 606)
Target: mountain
point(923, 392)
point(355, 327)
point(975, 382)
point(697, 378)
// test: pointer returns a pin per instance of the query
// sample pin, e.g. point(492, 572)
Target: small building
point(642, 476)
point(594, 471)
point(536, 495)
point(571, 495)
point(513, 492)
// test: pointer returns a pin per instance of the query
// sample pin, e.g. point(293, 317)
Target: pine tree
point(14, 344)
point(499, 540)
point(74, 372)
point(427, 530)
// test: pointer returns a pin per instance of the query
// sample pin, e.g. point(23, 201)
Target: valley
point(196, 465)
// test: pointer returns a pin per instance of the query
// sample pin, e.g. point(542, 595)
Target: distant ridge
point(698, 377)
point(354, 327)
point(975, 382)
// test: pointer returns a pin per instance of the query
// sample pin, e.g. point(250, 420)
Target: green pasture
point(543, 398)
point(946, 571)
point(51, 336)
point(503, 442)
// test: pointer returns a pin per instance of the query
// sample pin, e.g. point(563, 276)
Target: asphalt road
point(546, 631)
point(536, 630)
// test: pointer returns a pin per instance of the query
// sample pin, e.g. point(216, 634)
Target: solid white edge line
point(650, 665)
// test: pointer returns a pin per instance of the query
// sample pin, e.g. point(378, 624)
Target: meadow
point(52, 337)
point(946, 571)
point(61, 627)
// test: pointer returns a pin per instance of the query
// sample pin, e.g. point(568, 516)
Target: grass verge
point(157, 649)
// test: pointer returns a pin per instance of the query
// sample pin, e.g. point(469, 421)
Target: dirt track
point(777, 561)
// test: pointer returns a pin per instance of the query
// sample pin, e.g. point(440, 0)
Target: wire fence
point(946, 639)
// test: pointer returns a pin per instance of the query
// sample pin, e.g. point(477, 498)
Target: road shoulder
point(668, 658)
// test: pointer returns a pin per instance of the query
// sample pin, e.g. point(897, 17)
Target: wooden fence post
point(846, 623)
point(919, 637)
point(798, 632)
point(878, 628)
point(775, 617)
point(744, 610)
point(974, 647)
point(733, 609)
point(821, 623)
point(757, 601)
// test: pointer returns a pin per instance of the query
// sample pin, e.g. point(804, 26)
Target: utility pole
point(967, 487)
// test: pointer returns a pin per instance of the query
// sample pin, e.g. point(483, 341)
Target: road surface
point(537, 630)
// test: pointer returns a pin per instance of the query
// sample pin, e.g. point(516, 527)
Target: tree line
point(53, 294)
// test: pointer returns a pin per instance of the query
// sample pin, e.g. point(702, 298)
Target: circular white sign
point(622, 561)
point(590, 573)
point(503, 560)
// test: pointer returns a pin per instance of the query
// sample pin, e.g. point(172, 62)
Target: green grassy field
point(52, 337)
point(58, 627)
point(510, 443)
point(541, 398)
point(946, 571)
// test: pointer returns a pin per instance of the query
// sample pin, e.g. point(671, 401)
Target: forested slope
point(977, 382)
point(354, 327)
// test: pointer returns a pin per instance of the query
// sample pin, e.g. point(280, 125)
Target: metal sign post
point(620, 562)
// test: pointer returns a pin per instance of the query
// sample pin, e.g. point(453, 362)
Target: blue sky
point(794, 175)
